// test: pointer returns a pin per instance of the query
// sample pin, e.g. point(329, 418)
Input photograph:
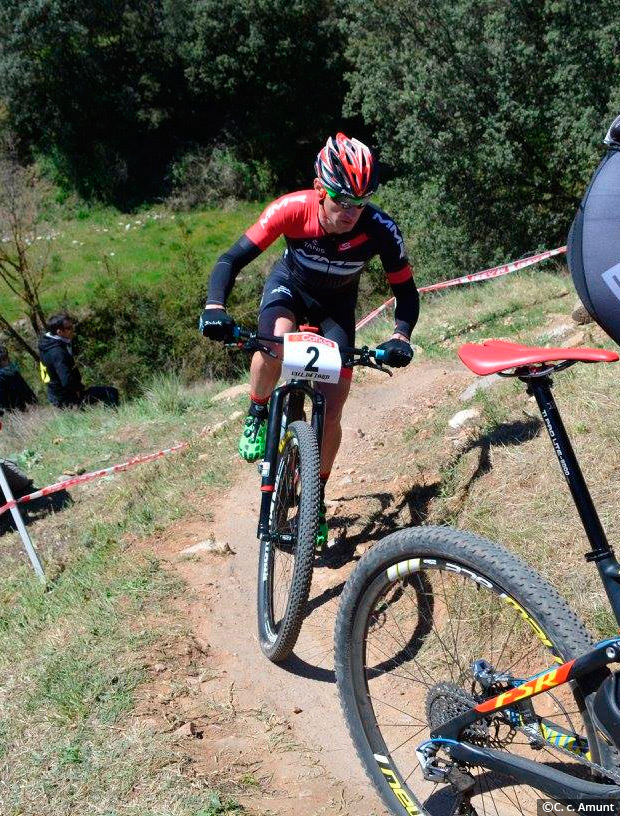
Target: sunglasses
point(348, 202)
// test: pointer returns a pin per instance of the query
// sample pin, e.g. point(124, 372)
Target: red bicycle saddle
point(493, 356)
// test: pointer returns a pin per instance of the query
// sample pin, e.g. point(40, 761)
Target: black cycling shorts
point(332, 312)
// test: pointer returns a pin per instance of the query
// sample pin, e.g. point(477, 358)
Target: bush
point(124, 338)
point(132, 335)
point(436, 239)
point(214, 176)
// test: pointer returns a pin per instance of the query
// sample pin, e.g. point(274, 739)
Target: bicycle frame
point(295, 389)
point(591, 665)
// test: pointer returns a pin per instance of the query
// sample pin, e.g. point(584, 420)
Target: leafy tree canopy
point(111, 90)
point(492, 113)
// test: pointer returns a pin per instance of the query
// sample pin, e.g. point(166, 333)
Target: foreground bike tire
point(420, 607)
point(285, 570)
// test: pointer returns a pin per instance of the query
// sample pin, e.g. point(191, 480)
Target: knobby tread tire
point(485, 558)
point(307, 525)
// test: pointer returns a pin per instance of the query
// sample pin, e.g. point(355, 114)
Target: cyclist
point(331, 232)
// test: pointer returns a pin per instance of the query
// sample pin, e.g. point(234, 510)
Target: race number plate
point(309, 356)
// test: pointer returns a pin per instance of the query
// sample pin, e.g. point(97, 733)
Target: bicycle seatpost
point(601, 553)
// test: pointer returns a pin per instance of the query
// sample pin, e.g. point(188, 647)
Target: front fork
point(296, 390)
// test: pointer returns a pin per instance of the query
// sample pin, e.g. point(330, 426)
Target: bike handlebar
point(351, 356)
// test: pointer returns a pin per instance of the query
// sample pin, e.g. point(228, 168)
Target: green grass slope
point(75, 660)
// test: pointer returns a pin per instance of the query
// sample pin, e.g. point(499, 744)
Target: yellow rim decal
point(541, 635)
point(402, 795)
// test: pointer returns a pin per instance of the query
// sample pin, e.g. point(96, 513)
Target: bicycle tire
point(453, 558)
point(297, 480)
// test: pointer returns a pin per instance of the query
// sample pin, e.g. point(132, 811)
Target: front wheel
point(421, 611)
point(287, 555)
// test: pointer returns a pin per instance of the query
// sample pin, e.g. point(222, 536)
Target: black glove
point(398, 353)
point(216, 324)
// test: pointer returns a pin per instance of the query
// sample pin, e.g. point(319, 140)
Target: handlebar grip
point(380, 354)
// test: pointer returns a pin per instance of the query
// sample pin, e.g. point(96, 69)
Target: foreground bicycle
point(290, 485)
point(468, 684)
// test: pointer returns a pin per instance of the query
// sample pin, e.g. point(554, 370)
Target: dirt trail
point(276, 733)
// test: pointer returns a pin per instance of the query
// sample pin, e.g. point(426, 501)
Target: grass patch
point(76, 658)
point(143, 246)
point(501, 479)
point(515, 306)
point(504, 481)
point(47, 442)
point(536, 514)
point(73, 661)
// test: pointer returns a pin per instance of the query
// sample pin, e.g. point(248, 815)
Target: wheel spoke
point(422, 635)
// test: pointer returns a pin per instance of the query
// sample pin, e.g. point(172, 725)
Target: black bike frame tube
point(561, 786)
point(318, 416)
point(274, 422)
point(602, 553)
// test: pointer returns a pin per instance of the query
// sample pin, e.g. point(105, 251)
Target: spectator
point(59, 370)
point(15, 393)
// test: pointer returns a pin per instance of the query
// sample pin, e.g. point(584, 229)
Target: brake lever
point(369, 364)
point(379, 367)
point(251, 345)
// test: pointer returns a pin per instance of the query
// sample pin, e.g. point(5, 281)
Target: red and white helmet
point(347, 167)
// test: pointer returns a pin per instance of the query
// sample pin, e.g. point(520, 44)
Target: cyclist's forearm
point(228, 267)
point(407, 308)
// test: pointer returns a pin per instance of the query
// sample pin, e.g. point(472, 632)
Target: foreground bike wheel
point(421, 607)
point(286, 559)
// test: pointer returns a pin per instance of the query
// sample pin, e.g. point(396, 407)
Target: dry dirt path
point(275, 733)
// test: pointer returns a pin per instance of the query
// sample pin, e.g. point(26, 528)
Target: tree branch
point(19, 339)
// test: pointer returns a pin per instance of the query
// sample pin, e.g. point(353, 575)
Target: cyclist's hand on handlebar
point(398, 353)
point(216, 324)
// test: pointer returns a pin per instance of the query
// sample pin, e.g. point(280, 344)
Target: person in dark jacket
point(15, 393)
point(59, 370)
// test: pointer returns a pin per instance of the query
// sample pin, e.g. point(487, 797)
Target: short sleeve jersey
point(321, 260)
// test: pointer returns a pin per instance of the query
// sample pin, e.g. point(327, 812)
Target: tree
point(270, 75)
point(491, 112)
point(94, 87)
point(110, 92)
point(24, 257)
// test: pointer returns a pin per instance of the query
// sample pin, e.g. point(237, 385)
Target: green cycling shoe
point(322, 533)
point(252, 441)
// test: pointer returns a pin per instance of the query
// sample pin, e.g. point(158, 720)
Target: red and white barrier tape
point(89, 477)
point(485, 274)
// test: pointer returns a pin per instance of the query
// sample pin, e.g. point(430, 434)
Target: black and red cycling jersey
point(319, 260)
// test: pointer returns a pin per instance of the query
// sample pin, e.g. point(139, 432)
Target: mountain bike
point(468, 684)
point(290, 484)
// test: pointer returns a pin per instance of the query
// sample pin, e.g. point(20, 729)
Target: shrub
point(214, 176)
point(436, 239)
point(132, 335)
